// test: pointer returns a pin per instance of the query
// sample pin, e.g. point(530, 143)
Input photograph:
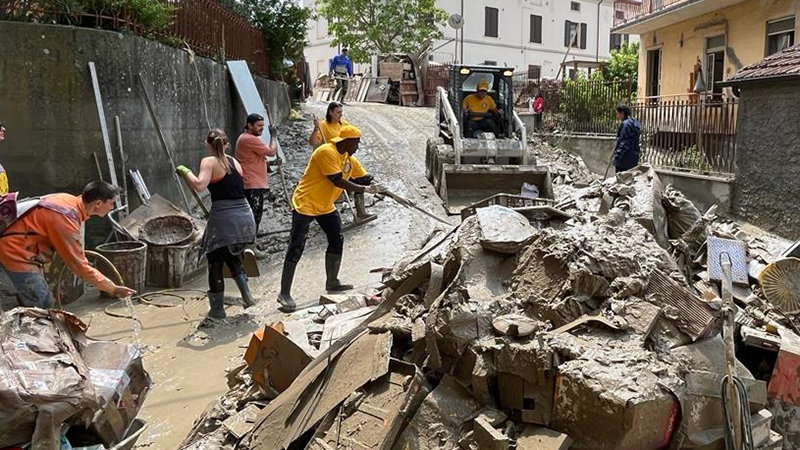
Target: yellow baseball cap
point(483, 86)
point(347, 132)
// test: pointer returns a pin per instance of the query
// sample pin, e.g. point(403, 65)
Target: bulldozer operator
point(480, 111)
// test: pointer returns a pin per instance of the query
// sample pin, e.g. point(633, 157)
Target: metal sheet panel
point(737, 251)
point(251, 99)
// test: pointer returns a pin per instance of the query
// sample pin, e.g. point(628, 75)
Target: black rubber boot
point(244, 289)
point(332, 264)
point(361, 209)
point(285, 297)
point(217, 302)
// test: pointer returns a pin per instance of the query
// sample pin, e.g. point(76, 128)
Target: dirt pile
point(584, 332)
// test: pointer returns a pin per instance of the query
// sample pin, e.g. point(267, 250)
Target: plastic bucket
point(130, 259)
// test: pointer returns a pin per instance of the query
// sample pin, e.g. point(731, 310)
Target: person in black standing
point(626, 153)
point(231, 227)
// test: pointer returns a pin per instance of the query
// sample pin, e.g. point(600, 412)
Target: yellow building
point(685, 39)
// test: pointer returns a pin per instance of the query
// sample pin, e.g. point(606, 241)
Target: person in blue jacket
point(626, 152)
point(341, 70)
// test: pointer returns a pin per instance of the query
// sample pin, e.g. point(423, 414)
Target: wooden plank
point(101, 114)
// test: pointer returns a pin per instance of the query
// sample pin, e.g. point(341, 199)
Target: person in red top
point(54, 226)
point(538, 109)
point(252, 152)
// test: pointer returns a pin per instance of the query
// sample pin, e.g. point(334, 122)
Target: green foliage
point(154, 15)
point(284, 25)
point(368, 27)
point(624, 63)
point(693, 158)
point(589, 105)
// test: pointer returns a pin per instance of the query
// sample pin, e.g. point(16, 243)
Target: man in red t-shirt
point(538, 109)
point(252, 152)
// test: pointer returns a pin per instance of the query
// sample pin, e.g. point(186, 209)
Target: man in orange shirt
point(252, 152)
point(54, 226)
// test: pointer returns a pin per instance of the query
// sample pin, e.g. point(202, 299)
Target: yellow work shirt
point(316, 193)
point(478, 105)
point(330, 130)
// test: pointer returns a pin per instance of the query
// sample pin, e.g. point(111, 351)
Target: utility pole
point(461, 58)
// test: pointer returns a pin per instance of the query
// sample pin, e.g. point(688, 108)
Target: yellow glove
point(182, 170)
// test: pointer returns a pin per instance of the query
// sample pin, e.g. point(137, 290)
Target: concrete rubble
point(597, 330)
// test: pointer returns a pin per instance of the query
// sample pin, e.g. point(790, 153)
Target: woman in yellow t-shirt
point(329, 128)
point(323, 133)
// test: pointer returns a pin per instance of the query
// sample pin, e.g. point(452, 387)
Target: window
point(575, 34)
point(715, 63)
point(471, 83)
point(652, 87)
point(536, 29)
point(617, 40)
point(491, 22)
point(780, 35)
point(574, 6)
point(534, 72)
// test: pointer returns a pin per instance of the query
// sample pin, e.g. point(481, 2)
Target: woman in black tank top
point(231, 227)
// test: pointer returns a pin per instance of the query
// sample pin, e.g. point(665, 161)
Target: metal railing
point(629, 10)
point(689, 134)
point(209, 28)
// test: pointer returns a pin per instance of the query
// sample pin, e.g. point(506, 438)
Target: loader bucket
point(465, 184)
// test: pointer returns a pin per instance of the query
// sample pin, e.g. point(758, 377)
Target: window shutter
point(566, 33)
point(536, 29)
point(583, 35)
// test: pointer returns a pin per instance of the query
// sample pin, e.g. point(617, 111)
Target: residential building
point(534, 36)
point(683, 40)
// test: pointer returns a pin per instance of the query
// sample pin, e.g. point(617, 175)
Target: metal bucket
point(130, 259)
point(165, 265)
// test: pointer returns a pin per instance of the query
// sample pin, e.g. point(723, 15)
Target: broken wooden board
point(338, 325)
point(320, 389)
point(372, 418)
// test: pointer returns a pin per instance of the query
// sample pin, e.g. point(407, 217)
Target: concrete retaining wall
point(768, 157)
point(703, 190)
point(49, 109)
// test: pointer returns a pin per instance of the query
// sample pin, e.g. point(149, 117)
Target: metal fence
point(628, 10)
point(209, 28)
point(685, 132)
point(689, 133)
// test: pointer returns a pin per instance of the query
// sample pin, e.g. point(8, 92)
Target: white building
point(529, 35)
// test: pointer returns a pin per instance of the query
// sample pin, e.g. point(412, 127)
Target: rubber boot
point(244, 289)
point(332, 264)
point(361, 209)
point(217, 302)
point(285, 297)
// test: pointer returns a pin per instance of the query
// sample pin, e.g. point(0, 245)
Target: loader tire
point(430, 151)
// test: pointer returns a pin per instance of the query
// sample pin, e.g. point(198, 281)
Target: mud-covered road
point(188, 363)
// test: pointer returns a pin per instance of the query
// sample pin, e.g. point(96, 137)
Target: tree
point(368, 27)
point(284, 25)
point(624, 63)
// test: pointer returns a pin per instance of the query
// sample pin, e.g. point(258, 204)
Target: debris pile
point(585, 333)
point(60, 389)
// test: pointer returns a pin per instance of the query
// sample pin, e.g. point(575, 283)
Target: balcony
point(643, 16)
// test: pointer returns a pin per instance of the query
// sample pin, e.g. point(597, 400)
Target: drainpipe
point(597, 54)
